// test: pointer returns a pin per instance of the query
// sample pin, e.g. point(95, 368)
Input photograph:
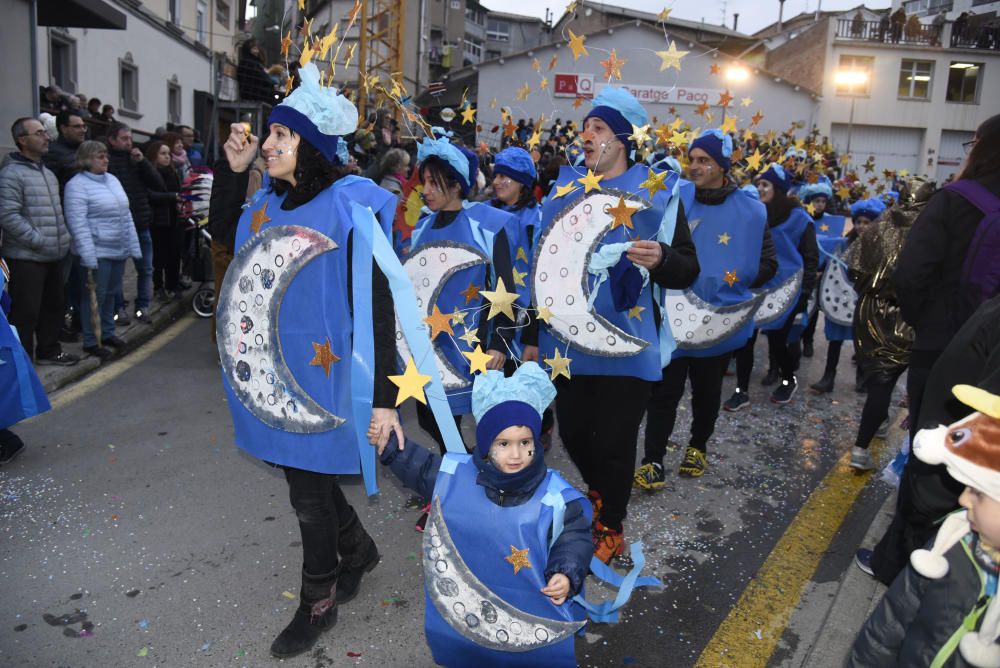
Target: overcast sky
point(754, 14)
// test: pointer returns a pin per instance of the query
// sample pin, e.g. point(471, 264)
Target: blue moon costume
point(305, 336)
point(829, 236)
point(600, 324)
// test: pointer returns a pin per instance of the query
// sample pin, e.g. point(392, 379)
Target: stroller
point(196, 191)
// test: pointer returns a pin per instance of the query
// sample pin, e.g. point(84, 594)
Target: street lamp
point(850, 80)
point(737, 74)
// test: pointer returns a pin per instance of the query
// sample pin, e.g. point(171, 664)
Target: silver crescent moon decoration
point(779, 299)
point(697, 324)
point(560, 278)
point(836, 294)
point(248, 313)
point(429, 268)
point(470, 608)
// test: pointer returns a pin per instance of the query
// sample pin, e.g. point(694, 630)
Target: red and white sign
point(574, 85)
point(583, 85)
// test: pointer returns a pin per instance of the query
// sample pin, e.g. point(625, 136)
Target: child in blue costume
point(829, 233)
point(305, 334)
point(448, 173)
point(21, 393)
point(499, 572)
point(798, 256)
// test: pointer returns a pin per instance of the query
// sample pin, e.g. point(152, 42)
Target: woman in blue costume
point(303, 269)
point(829, 233)
point(795, 241)
point(448, 174)
point(21, 393)
point(503, 527)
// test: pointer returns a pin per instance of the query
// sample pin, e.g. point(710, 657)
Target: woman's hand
point(240, 148)
point(646, 254)
point(384, 422)
point(497, 360)
point(557, 589)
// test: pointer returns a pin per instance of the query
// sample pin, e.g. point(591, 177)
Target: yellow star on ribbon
point(724, 238)
point(468, 115)
point(636, 312)
point(536, 64)
point(521, 255)
point(756, 118)
point(553, 62)
point(519, 277)
point(534, 139)
point(753, 162)
point(676, 123)
point(663, 15)
point(410, 384)
point(654, 183)
point(286, 42)
point(543, 84)
point(590, 182)
point(613, 66)
point(811, 209)
point(324, 356)
point(563, 190)
point(844, 193)
point(307, 54)
point(678, 138)
point(731, 278)
point(477, 359)
point(576, 46)
point(671, 57)
point(728, 124)
point(500, 300)
point(747, 134)
point(258, 218)
point(523, 91)
point(470, 293)
point(544, 314)
point(622, 214)
point(558, 364)
point(439, 322)
point(469, 337)
point(746, 101)
point(640, 135)
point(457, 317)
point(518, 559)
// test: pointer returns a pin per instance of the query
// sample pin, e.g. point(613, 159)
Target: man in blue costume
point(736, 253)
point(611, 232)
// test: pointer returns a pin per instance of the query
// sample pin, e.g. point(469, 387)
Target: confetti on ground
point(86, 533)
point(143, 652)
point(289, 595)
point(143, 624)
point(412, 556)
point(354, 655)
point(204, 648)
point(86, 633)
point(760, 636)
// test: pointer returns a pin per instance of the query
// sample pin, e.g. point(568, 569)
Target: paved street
point(136, 534)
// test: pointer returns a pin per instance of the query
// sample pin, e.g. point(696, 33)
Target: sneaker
point(649, 476)
point(99, 352)
point(608, 543)
point(694, 463)
point(861, 459)
point(10, 446)
point(863, 560)
point(784, 392)
point(422, 520)
point(62, 359)
point(114, 342)
point(737, 402)
point(771, 378)
point(596, 502)
point(121, 318)
point(883, 429)
point(143, 317)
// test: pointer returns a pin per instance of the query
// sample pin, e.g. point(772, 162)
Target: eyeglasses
point(37, 133)
point(969, 144)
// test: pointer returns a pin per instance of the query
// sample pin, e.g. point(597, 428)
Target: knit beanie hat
point(717, 144)
point(618, 108)
point(775, 175)
point(499, 402)
point(319, 113)
point(517, 164)
point(970, 449)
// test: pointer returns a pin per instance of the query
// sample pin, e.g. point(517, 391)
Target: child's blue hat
point(821, 188)
point(617, 107)
point(717, 144)
point(775, 174)
point(319, 113)
point(500, 402)
point(869, 208)
point(517, 164)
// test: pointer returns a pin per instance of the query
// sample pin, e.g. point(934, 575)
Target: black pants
point(36, 310)
point(809, 334)
point(706, 375)
point(779, 352)
point(425, 418)
point(833, 356)
point(166, 257)
point(599, 420)
point(876, 408)
point(323, 512)
point(921, 362)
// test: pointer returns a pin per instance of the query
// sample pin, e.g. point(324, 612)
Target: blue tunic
point(829, 235)
point(21, 393)
point(528, 223)
point(787, 236)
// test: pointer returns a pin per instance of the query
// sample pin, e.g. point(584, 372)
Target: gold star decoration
point(534, 139)
point(663, 15)
point(562, 191)
point(469, 336)
point(747, 134)
point(844, 193)
point(521, 255)
point(663, 134)
point(577, 103)
point(654, 182)
point(587, 135)
point(622, 214)
point(671, 57)
point(544, 314)
point(753, 162)
point(536, 64)
point(576, 46)
point(439, 322)
point(470, 293)
point(519, 277)
point(636, 312)
point(553, 62)
point(477, 359)
point(258, 218)
point(558, 364)
point(543, 84)
point(410, 384)
point(724, 238)
point(509, 128)
point(518, 559)
point(724, 99)
point(457, 317)
point(613, 66)
point(640, 135)
point(824, 227)
point(678, 138)
point(746, 101)
point(523, 91)
point(493, 103)
point(728, 124)
point(327, 42)
point(811, 209)
point(701, 109)
point(286, 43)
point(715, 69)
point(468, 115)
point(324, 357)
point(756, 118)
point(590, 181)
point(731, 278)
point(501, 301)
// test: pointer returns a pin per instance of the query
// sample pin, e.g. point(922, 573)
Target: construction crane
point(381, 49)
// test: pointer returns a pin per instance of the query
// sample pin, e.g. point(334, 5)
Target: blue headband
point(299, 122)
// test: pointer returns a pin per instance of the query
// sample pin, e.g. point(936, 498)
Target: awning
point(79, 14)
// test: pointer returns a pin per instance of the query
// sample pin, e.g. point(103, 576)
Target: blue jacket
point(417, 468)
point(98, 215)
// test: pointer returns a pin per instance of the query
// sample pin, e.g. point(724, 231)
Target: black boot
point(359, 555)
point(317, 612)
point(807, 348)
point(825, 384)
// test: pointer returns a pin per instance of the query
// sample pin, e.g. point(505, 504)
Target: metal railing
point(888, 32)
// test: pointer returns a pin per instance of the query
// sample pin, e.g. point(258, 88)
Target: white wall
point(19, 90)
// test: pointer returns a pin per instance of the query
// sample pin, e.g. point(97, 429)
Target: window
point(862, 67)
point(456, 4)
point(498, 30)
point(199, 20)
point(173, 100)
point(473, 49)
point(62, 61)
point(476, 16)
point(963, 82)
point(915, 79)
point(222, 12)
point(174, 11)
point(128, 84)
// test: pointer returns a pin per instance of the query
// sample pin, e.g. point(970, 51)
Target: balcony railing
point(981, 37)
point(888, 33)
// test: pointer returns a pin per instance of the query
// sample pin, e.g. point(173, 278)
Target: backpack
point(980, 278)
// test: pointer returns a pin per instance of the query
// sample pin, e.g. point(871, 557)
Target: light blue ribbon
point(666, 235)
point(603, 260)
point(833, 256)
point(363, 353)
point(607, 612)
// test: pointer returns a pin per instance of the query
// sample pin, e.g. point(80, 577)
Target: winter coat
point(98, 214)
point(393, 183)
point(163, 198)
point(137, 178)
point(31, 216)
point(255, 84)
point(918, 615)
point(61, 159)
point(417, 468)
point(225, 204)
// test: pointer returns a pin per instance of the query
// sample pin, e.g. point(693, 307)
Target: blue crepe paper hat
point(499, 402)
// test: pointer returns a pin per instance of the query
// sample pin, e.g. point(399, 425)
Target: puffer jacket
point(918, 615)
point(99, 217)
point(61, 159)
point(31, 215)
point(137, 178)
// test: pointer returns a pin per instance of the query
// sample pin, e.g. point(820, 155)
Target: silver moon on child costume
point(697, 324)
point(779, 299)
point(837, 297)
point(248, 338)
point(429, 268)
point(470, 608)
point(560, 279)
